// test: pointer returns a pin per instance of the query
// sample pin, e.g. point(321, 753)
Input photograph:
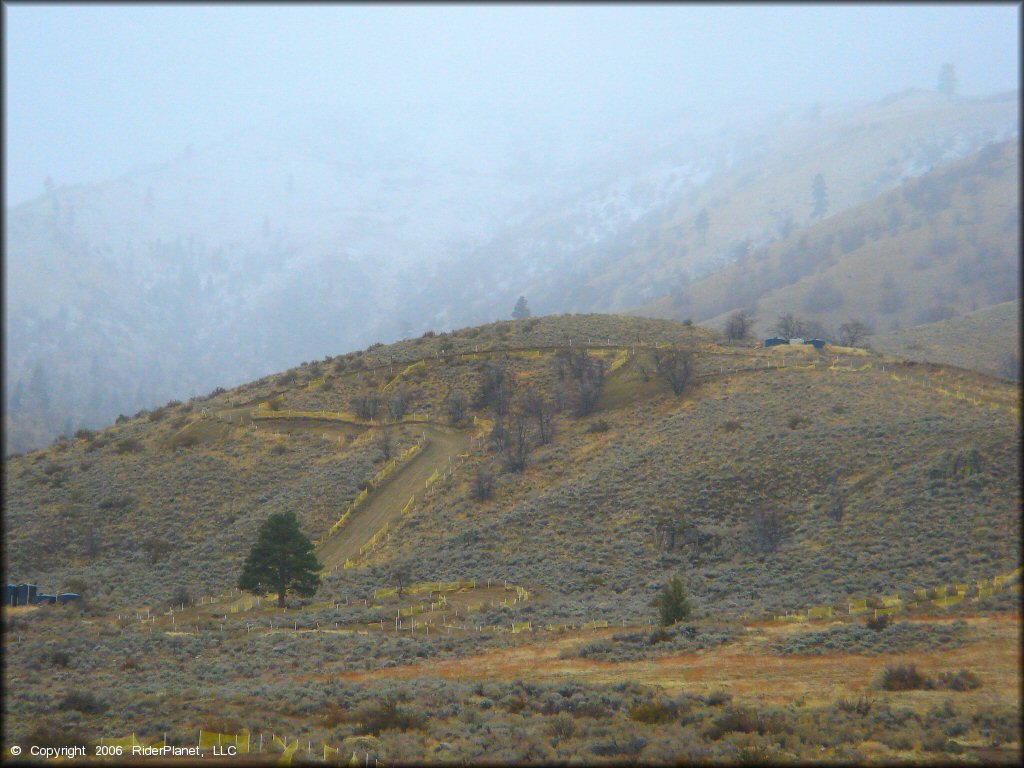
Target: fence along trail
point(386, 502)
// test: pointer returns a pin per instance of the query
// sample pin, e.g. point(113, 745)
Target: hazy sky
point(94, 91)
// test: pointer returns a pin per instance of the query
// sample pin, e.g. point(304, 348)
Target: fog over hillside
point(372, 188)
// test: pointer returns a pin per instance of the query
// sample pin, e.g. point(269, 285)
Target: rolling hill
point(240, 258)
point(986, 340)
point(536, 483)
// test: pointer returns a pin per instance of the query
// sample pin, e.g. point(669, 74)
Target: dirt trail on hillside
point(386, 502)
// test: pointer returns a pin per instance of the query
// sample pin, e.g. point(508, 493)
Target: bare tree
point(385, 443)
point(517, 447)
point(675, 366)
point(739, 325)
point(853, 332)
point(583, 378)
point(399, 575)
point(498, 436)
point(496, 389)
point(398, 405)
point(366, 405)
point(483, 484)
point(789, 326)
point(455, 405)
point(535, 406)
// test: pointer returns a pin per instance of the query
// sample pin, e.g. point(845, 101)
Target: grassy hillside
point(948, 244)
point(986, 340)
point(773, 482)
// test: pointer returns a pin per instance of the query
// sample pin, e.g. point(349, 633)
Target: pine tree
point(672, 603)
point(282, 559)
point(521, 311)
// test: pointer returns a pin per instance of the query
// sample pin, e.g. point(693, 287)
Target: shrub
point(767, 530)
point(878, 623)
point(743, 720)
point(82, 701)
point(961, 680)
point(85, 434)
point(335, 715)
point(561, 726)
point(388, 715)
point(597, 426)
point(128, 445)
point(278, 449)
point(455, 407)
point(731, 425)
point(862, 705)
point(903, 677)
point(717, 698)
point(483, 484)
point(654, 712)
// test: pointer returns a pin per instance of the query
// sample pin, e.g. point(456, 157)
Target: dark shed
point(775, 341)
point(41, 598)
point(67, 597)
point(816, 343)
point(26, 594)
point(10, 594)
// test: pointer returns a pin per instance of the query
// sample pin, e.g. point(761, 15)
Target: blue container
point(775, 341)
point(26, 594)
point(11, 594)
point(66, 597)
point(41, 598)
point(816, 343)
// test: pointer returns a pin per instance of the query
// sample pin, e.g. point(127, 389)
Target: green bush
point(672, 603)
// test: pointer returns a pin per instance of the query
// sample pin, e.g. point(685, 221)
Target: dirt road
point(385, 503)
